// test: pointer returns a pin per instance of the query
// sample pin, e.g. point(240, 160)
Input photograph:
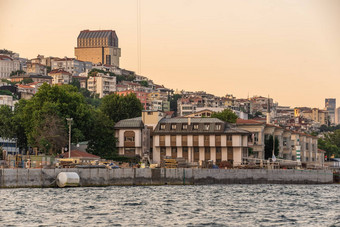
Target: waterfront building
point(7, 66)
point(199, 140)
point(98, 46)
point(101, 84)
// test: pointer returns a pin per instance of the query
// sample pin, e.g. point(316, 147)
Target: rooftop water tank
point(67, 179)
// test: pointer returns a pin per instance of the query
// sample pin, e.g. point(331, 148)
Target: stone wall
point(104, 177)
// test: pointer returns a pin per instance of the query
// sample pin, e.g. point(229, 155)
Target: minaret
point(268, 111)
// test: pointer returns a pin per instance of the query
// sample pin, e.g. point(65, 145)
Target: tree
point(226, 115)
point(18, 72)
point(268, 147)
point(62, 101)
point(102, 141)
point(144, 83)
point(26, 81)
point(118, 107)
point(173, 102)
point(50, 135)
point(75, 82)
point(6, 122)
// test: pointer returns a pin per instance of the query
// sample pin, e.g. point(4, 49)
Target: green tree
point(75, 82)
point(50, 135)
point(226, 115)
point(18, 72)
point(63, 101)
point(173, 102)
point(118, 107)
point(26, 81)
point(268, 147)
point(6, 122)
point(102, 141)
point(144, 83)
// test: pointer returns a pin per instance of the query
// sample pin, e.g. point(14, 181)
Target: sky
point(287, 49)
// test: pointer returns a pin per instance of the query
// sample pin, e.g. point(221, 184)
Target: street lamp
point(69, 122)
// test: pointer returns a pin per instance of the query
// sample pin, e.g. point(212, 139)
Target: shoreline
point(90, 177)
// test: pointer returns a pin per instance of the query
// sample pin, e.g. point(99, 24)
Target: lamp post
point(69, 122)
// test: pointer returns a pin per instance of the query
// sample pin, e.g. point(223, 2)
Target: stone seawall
point(10, 178)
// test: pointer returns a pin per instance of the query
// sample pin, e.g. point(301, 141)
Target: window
point(184, 126)
point(229, 138)
point(162, 126)
point(218, 127)
point(195, 126)
point(173, 126)
point(206, 127)
point(129, 138)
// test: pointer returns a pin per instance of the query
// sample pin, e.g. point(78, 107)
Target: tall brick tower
point(99, 46)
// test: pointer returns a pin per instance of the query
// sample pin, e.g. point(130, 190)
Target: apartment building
point(60, 77)
point(71, 65)
point(142, 96)
point(7, 66)
point(35, 78)
point(101, 84)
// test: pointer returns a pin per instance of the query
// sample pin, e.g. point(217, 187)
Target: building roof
point(250, 122)
point(59, 71)
point(79, 154)
point(5, 57)
point(95, 34)
point(130, 123)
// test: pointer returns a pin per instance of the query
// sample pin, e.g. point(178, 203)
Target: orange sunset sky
point(288, 49)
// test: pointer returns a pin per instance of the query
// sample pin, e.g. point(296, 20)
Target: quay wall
point(12, 178)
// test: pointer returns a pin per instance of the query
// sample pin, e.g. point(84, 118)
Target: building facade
point(330, 106)
point(71, 65)
point(60, 77)
point(198, 140)
point(7, 66)
point(99, 46)
point(101, 84)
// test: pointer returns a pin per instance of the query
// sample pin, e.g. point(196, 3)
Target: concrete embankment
point(10, 178)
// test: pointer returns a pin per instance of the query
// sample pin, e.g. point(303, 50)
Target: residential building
point(71, 65)
point(99, 46)
point(7, 100)
point(60, 76)
point(101, 84)
point(46, 61)
point(139, 94)
point(7, 66)
point(36, 68)
point(330, 105)
point(82, 78)
point(35, 78)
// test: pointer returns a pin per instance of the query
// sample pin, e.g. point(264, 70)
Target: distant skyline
point(287, 49)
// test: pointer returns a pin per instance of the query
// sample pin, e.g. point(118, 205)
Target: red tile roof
point(57, 71)
point(243, 121)
point(79, 154)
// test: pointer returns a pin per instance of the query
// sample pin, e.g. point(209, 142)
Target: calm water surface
point(212, 205)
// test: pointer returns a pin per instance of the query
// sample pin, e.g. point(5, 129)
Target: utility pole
point(69, 122)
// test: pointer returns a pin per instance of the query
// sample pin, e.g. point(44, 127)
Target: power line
point(139, 38)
